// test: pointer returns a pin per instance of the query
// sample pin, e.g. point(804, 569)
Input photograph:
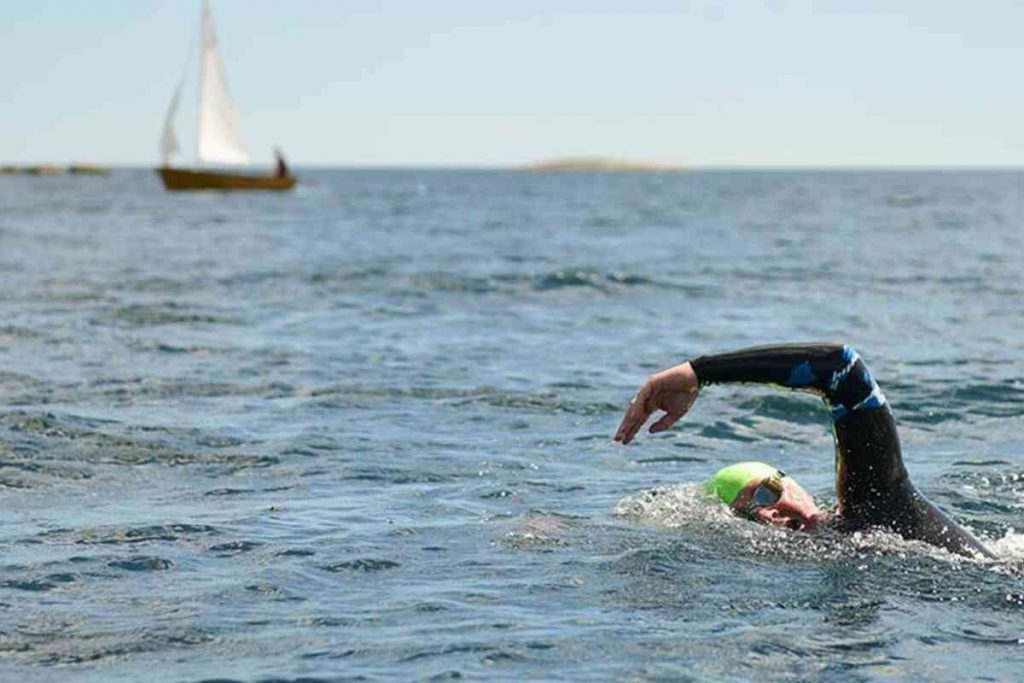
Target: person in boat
point(872, 484)
point(282, 166)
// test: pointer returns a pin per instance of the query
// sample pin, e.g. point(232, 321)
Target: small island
point(52, 170)
point(598, 164)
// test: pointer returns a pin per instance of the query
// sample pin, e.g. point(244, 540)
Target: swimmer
point(872, 484)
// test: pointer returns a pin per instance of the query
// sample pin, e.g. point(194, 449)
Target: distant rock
point(34, 170)
point(598, 164)
point(49, 169)
point(88, 169)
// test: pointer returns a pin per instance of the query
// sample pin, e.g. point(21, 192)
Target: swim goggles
point(768, 492)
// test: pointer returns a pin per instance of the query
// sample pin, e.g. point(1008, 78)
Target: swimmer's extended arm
point(833, 371)
point(868, 459)
point(869, 465)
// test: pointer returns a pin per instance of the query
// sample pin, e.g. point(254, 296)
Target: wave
point(42, 447)
point(362, 565)
point(788, 406)
point(929, 404)
point(42, 584)
point(510, 284)
point(232, 548)
point(127, 535)
point(384, 278)
point(542, 402)
point(142, 563)
point(10, 333)
point(79, 646)
point(586, 277)
point(168, 313)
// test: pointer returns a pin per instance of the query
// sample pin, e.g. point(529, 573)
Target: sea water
point(363, 430)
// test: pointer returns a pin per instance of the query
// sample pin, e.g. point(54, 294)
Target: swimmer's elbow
point(846, 351)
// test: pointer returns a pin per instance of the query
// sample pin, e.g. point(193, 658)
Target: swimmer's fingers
point(636, 415)
point(675, 406)
point(673, 390)
point(666, 421)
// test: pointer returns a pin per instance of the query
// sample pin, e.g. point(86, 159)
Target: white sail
point(219, 141)
point(169, 140)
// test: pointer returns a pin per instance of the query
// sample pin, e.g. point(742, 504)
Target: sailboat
point(218, 139)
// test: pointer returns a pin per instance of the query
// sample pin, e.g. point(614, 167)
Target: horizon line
point(666, 168)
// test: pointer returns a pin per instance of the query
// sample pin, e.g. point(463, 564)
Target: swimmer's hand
point(673, 390)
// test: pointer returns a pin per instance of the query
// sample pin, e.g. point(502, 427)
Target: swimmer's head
point(762, 492)
point(729, 481)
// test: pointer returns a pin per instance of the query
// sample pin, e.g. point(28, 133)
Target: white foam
point(1010, 546)
point(672, 506)
point(687, 507)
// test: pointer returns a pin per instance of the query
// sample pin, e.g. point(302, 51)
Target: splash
point(1010, 547)
point(685, 507)
point(673, 506)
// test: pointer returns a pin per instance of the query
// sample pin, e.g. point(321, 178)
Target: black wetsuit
point(872, 485)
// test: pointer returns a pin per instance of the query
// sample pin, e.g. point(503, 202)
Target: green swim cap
point(728, 481)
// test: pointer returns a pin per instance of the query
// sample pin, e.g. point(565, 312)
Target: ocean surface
point(363, 431)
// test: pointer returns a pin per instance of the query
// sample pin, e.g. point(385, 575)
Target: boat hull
point(178, 179)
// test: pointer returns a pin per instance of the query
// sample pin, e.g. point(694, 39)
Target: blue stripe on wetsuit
point(854, 380)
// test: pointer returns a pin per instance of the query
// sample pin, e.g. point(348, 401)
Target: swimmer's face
point(794, 509)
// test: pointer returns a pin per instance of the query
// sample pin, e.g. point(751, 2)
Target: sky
point(493, 83)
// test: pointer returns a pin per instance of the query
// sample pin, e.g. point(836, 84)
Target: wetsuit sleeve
point(833, 371)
